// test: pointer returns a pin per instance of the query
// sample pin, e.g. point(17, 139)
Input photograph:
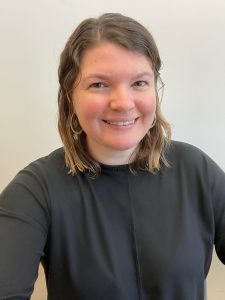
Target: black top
point(121, 236)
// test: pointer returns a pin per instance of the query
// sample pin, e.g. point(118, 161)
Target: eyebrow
point(105, 77)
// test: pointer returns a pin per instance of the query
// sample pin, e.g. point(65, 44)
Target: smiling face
point(115, 101)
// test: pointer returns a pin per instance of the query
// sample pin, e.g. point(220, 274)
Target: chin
point(125, 143)
point(124, 146)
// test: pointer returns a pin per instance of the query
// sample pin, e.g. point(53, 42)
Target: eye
point(97, 85)
point(140, 83)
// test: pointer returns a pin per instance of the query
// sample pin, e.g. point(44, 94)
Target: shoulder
point(38, 182)
point(53, 160)
point(183, 149)
point(41, 174)
point(182, 153)
point(190, 160)
point(48, 165)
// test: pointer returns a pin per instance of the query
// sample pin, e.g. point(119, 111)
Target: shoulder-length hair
point(130, 34)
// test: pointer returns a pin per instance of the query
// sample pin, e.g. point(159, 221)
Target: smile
point(121, 123)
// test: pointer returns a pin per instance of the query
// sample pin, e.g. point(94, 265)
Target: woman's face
point(115, 101)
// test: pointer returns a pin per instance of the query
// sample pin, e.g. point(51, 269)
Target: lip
point(121, 123)
point(129, 121)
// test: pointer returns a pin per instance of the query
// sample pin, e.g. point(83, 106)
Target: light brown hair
point(130, 34)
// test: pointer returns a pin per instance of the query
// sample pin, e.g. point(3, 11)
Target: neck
point(112, 157)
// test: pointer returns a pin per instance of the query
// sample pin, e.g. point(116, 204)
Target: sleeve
point(217, 189)
point(24, 222)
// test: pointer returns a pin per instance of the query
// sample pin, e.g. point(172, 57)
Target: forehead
point(108, 57)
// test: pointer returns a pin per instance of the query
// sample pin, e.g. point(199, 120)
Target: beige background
point(191, 39)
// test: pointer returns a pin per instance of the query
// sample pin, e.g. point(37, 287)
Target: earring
point(75, 127)
point(154, 122)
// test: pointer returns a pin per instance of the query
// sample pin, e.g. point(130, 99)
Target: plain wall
point(191, 38)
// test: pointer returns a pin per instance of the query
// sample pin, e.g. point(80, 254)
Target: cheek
point(148, 105)
point(88, 109)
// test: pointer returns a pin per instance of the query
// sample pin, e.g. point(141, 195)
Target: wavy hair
point(130, 34)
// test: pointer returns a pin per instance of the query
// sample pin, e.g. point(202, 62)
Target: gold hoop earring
point(75, 126)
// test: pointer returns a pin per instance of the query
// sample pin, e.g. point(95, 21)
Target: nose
point(121, 99)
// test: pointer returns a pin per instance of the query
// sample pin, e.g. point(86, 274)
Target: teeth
point(122, 123)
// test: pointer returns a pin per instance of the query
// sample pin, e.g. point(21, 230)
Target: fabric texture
point(121, 236)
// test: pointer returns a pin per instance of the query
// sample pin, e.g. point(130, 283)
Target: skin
point(115, 101)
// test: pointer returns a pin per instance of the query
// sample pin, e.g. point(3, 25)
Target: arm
point(24, 220)
point(217, 185)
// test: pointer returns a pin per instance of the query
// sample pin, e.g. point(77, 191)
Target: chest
point(127, 238)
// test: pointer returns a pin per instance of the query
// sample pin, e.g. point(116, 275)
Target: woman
point(120, 212)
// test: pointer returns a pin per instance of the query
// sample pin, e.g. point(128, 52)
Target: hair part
point(128, 33)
